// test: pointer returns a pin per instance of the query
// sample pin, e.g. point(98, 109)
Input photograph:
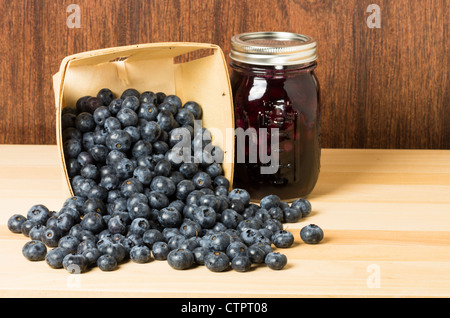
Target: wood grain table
point(385, 214)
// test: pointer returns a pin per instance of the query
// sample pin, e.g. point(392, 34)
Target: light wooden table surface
point(385, 214)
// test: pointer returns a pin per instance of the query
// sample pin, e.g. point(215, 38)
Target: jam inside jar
point(276, 100)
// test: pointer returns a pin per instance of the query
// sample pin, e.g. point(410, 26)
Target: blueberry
point(92, 255)
point(72, 148)
point(180, 259)
point(219, 242)
point(131, 102)
point(101, 114)
point(270, 201)
point(140, 254)
point(139, 226)
point(124, 168)
point(54, 257)
point(92, 103)
point(134, 132)
point(160, 250)
point(222, 181)
point(90, 171)
point(93, 222)
point(151, 236)
point(117, 226)
point(255, 254)
point(141, 148)
point(205, 216)
point(111, 124)
point(185, 117)
point(251, 236)
point(275, 260)
point(118, 140)
point(292, 215)
point(282, 239)
point(199, 255)
point(147, 111)
point(94, 205)
point(303, 205)
point(143, 174)
point(105, 95)
point(116, 250)
point(69, 243)
point(163, 168)
point(130, 92)
point(202, 180)
point(131, 186)
point(311, 234)
point(276, 213)
point(164, 106)
point(190, 243)
point(150, 131)
point(99, 153)
point(235, 249)
point(163, 185)
point(240, 194)
point(85, 244)
point(15, 223)
point(165, 119)
point(51, 236)
point(217, 261)
point(84, 122)
point(188, 169)
point(241, 263)
point(160, 96)
point(38, 214)
point(157, 200)
point(107, 263)
point(230, 218)
point(173, 100)
point(184, 188)
point(194, 108)
point(115, 106)
point(209, 200)
point(127, 117)
point(170, 217)
point(214, 170)
point(75, 263)
point(34, 250)
point(81, 104)
point(140, 210)
point(148, 97)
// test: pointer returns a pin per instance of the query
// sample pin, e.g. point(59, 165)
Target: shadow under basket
point(192, 71)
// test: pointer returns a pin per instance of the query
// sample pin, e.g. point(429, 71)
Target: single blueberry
point(15, 223)
point(140, 254)
point(34, 250)
point(275, 260)
point(107, 263)
point(180, 259)
point(311, 234)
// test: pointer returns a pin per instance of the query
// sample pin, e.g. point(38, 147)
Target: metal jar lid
point(273, 48)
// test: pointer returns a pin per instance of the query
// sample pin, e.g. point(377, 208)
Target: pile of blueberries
point(139, 196)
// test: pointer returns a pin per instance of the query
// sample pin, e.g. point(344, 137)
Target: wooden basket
point(153, 67)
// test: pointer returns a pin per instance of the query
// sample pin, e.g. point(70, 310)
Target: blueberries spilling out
point(139, 196)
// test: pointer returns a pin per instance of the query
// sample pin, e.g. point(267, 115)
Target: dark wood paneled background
point(384, 87)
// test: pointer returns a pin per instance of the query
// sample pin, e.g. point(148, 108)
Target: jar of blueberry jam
point(277, 114)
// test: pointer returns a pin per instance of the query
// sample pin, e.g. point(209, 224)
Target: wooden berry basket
point(153, 67)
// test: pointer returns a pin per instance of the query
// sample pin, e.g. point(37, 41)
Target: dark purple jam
point(286, 98)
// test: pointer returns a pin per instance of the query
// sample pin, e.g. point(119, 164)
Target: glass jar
point(277, 114)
